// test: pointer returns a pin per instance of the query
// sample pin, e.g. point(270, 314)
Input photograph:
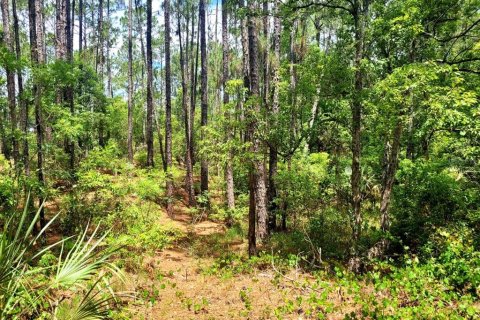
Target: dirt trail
point(176, 285)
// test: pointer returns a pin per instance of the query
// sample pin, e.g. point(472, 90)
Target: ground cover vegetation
point(239, 159)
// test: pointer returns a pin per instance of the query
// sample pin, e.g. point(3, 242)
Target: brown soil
point(179, 289)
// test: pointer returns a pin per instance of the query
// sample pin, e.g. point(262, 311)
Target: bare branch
point(324, 4)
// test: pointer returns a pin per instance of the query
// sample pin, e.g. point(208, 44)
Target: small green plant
point(245, 297)
point(150, 295)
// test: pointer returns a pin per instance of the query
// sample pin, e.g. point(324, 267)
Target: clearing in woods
point(181, 282)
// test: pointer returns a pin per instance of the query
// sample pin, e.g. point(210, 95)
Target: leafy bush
point(303, 183)
point(7, 191)
point(106, 159)
point(288, 243)
point(140, 158)
point(329, 230)
point(454, 260)
point(429, 196)
point(138, 228)
point(408, 292)
point(149, 185)
point(230, 264)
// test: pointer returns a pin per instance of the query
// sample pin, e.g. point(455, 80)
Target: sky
point(158, 14)
point(121, 10)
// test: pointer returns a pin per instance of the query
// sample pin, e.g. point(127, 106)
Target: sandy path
point(178, 288)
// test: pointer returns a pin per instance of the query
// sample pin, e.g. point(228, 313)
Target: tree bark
point(100, 41)
point(245, 67)
point(359, 13)
point(130, 85)
point(109, 62)
point(168, 110)
point(266, 49)
point(100, 63)
point(4, 139)
point(80, 27)
point(259, 188)
point(186, 116)
point(21, 98)
point(149, 122)
point(193, 83)
point(64, 52)
point(228, 136)
point(410, 127)
point(379, 249)
point(140, 35)
point(252, 238)
point(60, 36)
point(72, 21)
point(61, 46)
point(273, 152)
point(35, 9)
point(69, 90)
point(204, 94)
point(10, 73)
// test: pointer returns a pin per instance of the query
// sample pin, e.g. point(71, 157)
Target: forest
point(239, 159)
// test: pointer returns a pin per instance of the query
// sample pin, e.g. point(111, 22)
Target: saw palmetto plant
point(75, 287)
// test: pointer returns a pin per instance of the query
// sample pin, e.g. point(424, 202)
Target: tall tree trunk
point(160, 138)
point(379, 249)
point(80, 27)
point(9, 70)
point(93, 34)
point(140, 35)
point(109, 62)
point(21, 98)
point(100, 63)
point(186, 116)
point(266, 76)
point(35, 9)
point(204, 93)
point(60, 49)
point(156, 119)
point(273, 152)
point(63, 52)
point(245, 66)
point(168, 109)
point(390, 176)
point(259, 188)
point(252, 236)
point(193, 82)
point(228, 135)
point(60, 35)
point(4, 139)
point(69, 89)
point(72, 21)
point(359, 14)
point(293, 69)
point(149, 123)
point(130, 84)
point(252, 220)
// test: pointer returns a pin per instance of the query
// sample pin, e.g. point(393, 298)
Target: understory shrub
point(329, 230)
point(36, 283)
point(429, 196)
point(453, 259)
point(137, 228)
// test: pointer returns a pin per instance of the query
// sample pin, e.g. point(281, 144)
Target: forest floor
point(205, 273)
point(191, 266)
point(179, 282)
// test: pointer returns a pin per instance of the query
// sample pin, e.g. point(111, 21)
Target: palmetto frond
point(81, 264)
